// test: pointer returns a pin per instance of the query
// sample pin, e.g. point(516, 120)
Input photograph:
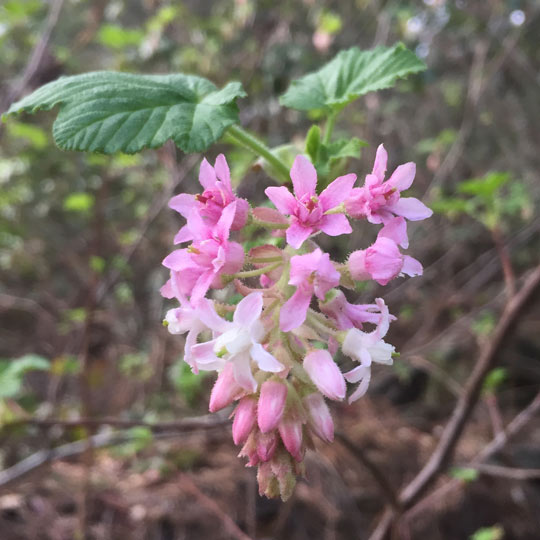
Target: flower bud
point(244, 419)
point(225, 389)
point(290, 430)
point(325, 374)
point(271, 405)
point(249, 450)
point(319, 417)
point(266, 445)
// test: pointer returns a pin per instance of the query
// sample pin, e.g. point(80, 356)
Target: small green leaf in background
point(187, 383)
point(484, 187)
point(79, 202)
point(465, 474)
point(496, 532)
point(484, 324)
point(33, 134)
point(494, 379)
point(12, 372)
point(349, 75)
point(107, 111)
point(116, 37)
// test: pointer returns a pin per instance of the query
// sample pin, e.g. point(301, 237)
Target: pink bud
point(319, 417)
point(225, 390)
point(266, 445)
point(325, 374)
point(357, 265)
point(244, 419)
point(271, 405)
point(291, 434)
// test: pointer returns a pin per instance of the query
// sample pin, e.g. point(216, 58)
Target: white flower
point(366, 348)
point(238, 342)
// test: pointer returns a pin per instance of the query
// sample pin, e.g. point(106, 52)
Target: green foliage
point(33, 134)
point(116, 37)
point(484, 324)
point(490, 200)
point(496, 532)
point(349, 75)
point(465, 474)
point(107, 111)
point(140, 438)
point(79, 202)
point(330, 158)
point(187, 383)
point(494, 380)
point(12, 372)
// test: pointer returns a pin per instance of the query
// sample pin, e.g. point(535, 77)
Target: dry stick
point(39, 459)
point(513, 428)
point(512, 473)
point(464, 406)
point(379, 477)
point(506, 263)
point(187, 424)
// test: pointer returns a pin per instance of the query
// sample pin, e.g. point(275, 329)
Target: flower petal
point(207, 175)
point(222, 228)
point(265, 360)
point(248, 309)
point(293, 312)
point(335, 224)
point(183, 235)
point(282, 199)
point(221, 169)
point(208, 316)
point(403, 176)
point(381, 159)
point(297, 234)
point(325, 374)
point(411, 208)
point(411, 266)
point(337, 191)
point(242, 372)
point(183, 204)
point(303, 176)
point(396, 230)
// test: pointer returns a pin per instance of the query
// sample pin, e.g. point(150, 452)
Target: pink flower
point(325, 374)
point(367, 348)
point(290, 430)
point(319, 417)
point(217, 195)
point(271, 405)
point(306, 208)
point(383, 261)
point(378, 200)
point(310, 273)
point(184, 319)
point(208, 257)
point(347, 315)
point(238, 343)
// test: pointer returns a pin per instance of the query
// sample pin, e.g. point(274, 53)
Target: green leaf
point(496, 532)
point(116, 37)
point(79, 202)
point(107, 111)
point(485, 187)
point(465, 474)
point(12, 372)
point(313, 142)
point(494, 379)
point(349, 75)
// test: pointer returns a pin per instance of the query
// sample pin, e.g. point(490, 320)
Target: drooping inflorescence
point(267, 348)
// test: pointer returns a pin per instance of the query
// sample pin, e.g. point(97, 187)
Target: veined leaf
point(107, 111)
point(349, 75)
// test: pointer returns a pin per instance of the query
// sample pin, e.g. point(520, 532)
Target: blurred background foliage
point(84, 234)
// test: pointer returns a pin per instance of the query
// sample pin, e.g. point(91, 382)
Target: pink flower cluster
point(266, 349)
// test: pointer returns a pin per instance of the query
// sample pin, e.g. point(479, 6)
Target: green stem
point(262, 260)
point(329, 128)
point(270, 224)
point(257, 271)
point(241, 137)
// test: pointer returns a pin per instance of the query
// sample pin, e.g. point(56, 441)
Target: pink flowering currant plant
point(277, 351)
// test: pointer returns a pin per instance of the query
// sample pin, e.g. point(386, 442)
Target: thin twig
point(464, 407)
point(36, 57)
point(187, 424)
point(512, 473)
point(386, 488)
